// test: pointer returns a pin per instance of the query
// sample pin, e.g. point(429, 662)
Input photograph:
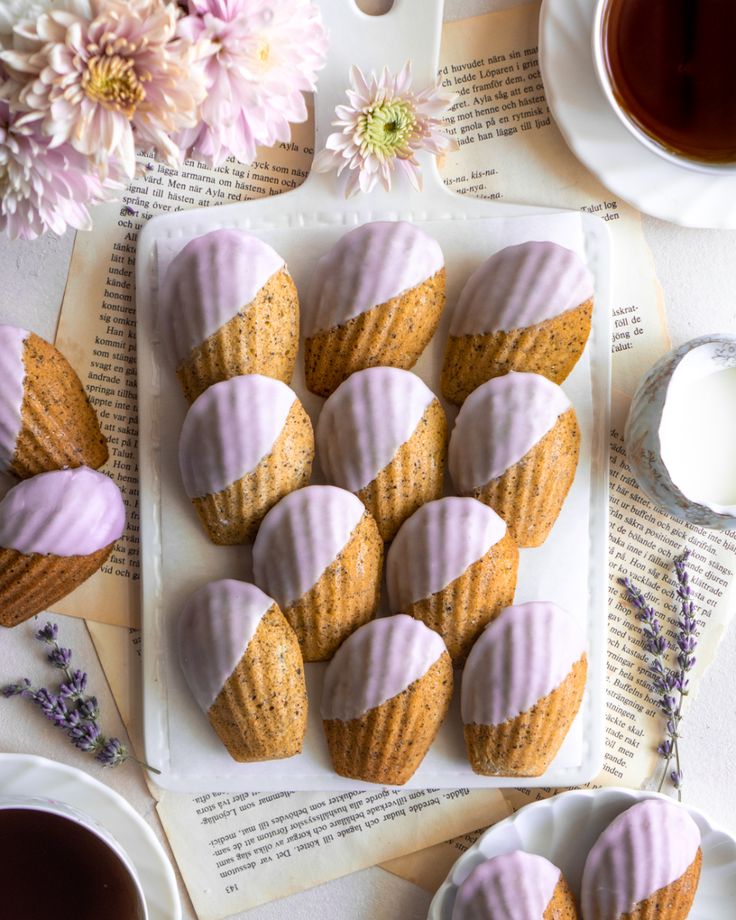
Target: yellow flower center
point(112, 81)
point(264, 51)
point(386, 128)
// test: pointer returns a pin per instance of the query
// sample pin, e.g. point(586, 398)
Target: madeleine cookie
point(56, 529)
point(245, 443)
point(453, 566)
point(382, 435)
point(46, 420)
point(516, 885)
point(242, 662)
point(527, 308)
point(644, 866)
point(515, 447)
point(318, 553)
point(385, 695)
point(375, 299)
point(522, 687)
point(228, 306)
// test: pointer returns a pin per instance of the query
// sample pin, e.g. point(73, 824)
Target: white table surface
point(696, 271)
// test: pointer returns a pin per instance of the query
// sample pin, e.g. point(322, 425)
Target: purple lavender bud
point(88, 709)
point(665, 748)
point(75, 686)
point(676, 777)
point(73, 719)
point(49, 632)
point(86, 736)
point(60, 657)
point(16, 689)
point(113, 753)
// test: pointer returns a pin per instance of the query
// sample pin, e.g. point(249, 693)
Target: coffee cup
point(666, 70)
point(62, 863)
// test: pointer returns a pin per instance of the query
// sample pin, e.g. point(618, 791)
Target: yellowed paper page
point(510, 149)
point(97, 330)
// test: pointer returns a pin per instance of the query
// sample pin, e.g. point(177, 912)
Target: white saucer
point(564, 828)
point(597, 137)
point(23, 774)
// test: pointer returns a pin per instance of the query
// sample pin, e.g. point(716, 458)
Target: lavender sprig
point(71, 709)
point(671, 685)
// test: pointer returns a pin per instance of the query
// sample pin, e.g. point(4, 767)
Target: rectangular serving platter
point(570, 568)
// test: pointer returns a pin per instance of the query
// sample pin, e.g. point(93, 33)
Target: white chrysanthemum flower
point(382, 129)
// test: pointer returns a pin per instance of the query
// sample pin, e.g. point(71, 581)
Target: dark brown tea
point(51, 868)
point(673, 71)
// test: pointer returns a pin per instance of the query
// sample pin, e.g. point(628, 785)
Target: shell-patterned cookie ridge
point(519, 658)
point(215, 627)
point(515, 885)
point(366, 420)
point(644, 849)
point(300, 537)
point(73, 512)
point(377, 662)
point(229, 429)
point(12, 374)
point(367, 267)
point(436, 545)
point(213, 278)
point(521, 286)
point(499, 423)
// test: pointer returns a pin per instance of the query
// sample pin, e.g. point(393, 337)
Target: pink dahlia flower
point(108, 81)
point(382, 128)
point(259, 57)
point(43, 187)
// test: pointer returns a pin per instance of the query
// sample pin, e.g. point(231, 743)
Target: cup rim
point(70, 813)
point(632, 126)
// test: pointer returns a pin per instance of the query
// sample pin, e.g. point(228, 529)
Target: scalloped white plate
point(598, 138)
point(27, 775)
point(564, 828)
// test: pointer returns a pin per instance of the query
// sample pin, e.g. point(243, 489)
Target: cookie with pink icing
point(46, 420)
point(453, 565)
point(522, 687)
point(375, 299)
point(228, 306)
point(646, 864)
point(242, 662)
point(382, 435)
point(515, 447)
point(517, 885)
point(318, 553)
point(526, 308)
point(245, 443)
point(385, 694)
point(56, 530)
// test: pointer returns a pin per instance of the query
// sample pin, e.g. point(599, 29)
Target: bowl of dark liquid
point(667, 69)
point(57, 864)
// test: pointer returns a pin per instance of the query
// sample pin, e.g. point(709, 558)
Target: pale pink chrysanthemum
point(259, 57)
point(43, 187)
point(111, 81)
point(382, 129)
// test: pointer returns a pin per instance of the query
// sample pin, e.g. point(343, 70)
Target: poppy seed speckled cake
point(245, 443)
point(242, 662)
point(515, 447)
point(56, 530)
point(228, 306)
point(453, 565)
point(375, 299)
point(318, 553)
point(521, 690)
point(526, 308)
point(515, 886)
point(385, 695)
point(644, 866)
point(46, 420)
point(382, 435)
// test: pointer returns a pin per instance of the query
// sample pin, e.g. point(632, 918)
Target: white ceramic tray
point(564, 828)
point(176, 555)
point(27, 775)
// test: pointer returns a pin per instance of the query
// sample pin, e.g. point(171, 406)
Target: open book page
point(97, 329)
